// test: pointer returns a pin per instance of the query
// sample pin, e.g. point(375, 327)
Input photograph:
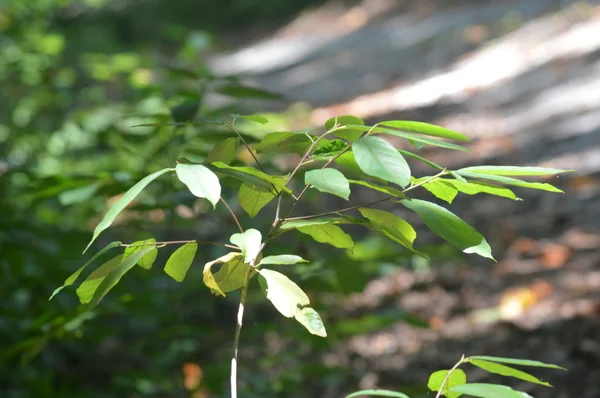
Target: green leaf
point(252, 176)
point(224, 151)
point(284, 142)
point(201, 182)
point(86, 290)
point(328, 233)
point(285, 295)
point(255, 118)
point(421, 158)
point(283, 259)
point(186, 111)
point(146, 261)
point(327, 148)
point(513, 170)
point(425, 128)
point(114, 211)
point(474, 187)
point(450, 227)
point(510, 181)
point(378, 158)
point(379, 188)
point(350, 134)
point(229, 277)
point(180, 261)
point(330, 181)
point(311, 320)
point(114, 275)
point(377, 393)
point(253, 199)
point(456, 378)
point(419, 140)
point(394, 227)
point(514, 361)
point(73, 278)
point(504, 370)
point(440, 189)
point(238, 90)
point(314, 221)
point(77, 195)
point(483, 390)
point(249, 242)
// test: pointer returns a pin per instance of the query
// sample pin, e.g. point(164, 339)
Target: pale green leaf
point(285, 295)
point(314, 221)
point(397, 229)
point(347, 133)
point(476, 187)
point(380, 188)
point(425, 128)
point(284, 142)
point(114, 275)
point(73, 277)
point(513, 170)
point(456, 378)
point(380, 159)
point(225, 151)
point(253, 199)
point(330, 181)
point(328, 233)
point(180, 261)
point(450, 227)
point(146, 261)
point(504, 370)
point(510, 181)
point(229, 277)
point(377, 393)
point(311, 320)
point(255, 118)
point(440, 189)
point(483, 390)
point(86, 290)
point(114, 211)
point(249, 243)
point(514, 361)
point(421, 158)
point(201, 182)
point(419, 140)
point(283, 259)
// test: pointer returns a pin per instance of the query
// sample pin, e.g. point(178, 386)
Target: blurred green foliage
point(76, 76)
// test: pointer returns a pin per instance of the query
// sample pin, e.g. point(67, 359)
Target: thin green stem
point(179, 242)
point(232, 127)
point(439, 393)
point(237, 222)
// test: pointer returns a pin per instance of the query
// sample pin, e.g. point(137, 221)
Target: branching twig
point(237, 222)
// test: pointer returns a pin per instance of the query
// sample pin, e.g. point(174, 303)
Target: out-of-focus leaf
point(224, 151)
point(377, 393)
point(185, 112)
point(238, 90)
point(114, 211)
point(380, 188)
point(419, 140)
point(252, 176)
point(284, 142)
point(346, 133)
point(180, 261)
point(255, 118)
point(515, 361)
point(201, 181)
point(513, 170)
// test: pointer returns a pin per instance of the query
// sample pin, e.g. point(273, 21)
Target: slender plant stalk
point(439, 393)
point(237, 222)
point(232, 127)
point(179, 242)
